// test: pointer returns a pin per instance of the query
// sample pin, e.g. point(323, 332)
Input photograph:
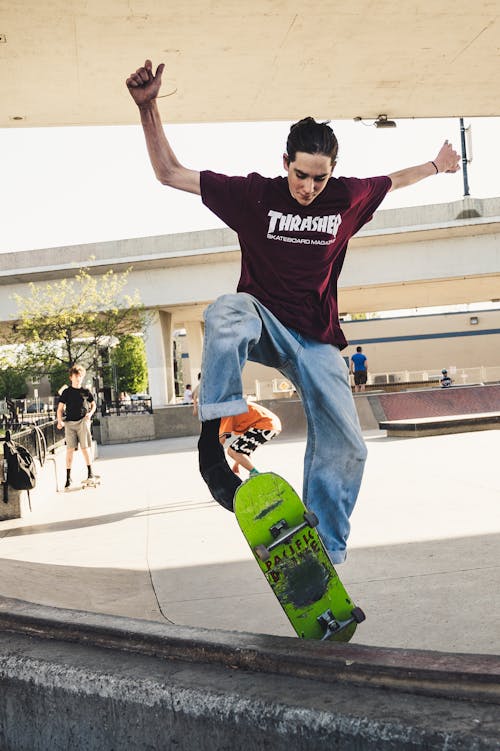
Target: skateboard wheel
point(311, 518)
point(358, 615)
point(262, 552)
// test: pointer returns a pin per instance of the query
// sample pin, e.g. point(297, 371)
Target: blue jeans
point(238, 327)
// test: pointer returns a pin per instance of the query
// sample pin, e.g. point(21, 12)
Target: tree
point(129, 357)
point(65, 322)
point(12, 383)
point(58, 376)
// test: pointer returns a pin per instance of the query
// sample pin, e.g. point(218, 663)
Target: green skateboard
point(281, 533)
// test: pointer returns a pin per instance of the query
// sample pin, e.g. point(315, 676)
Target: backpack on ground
point(19, 467)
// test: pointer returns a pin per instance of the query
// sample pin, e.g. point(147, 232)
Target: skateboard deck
point(282, 536)
point(91, 482)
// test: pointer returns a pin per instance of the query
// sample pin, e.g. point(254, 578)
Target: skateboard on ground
point(89, 482)
point(282, 536)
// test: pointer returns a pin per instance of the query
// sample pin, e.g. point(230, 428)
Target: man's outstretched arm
point(144, 87)
point(447, 160)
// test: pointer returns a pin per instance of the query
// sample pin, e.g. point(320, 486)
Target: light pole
point(465, 161)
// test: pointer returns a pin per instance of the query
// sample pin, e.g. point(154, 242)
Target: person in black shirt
point(446, 381)
point(78, 405)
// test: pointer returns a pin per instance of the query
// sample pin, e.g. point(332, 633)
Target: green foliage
point(64, 322)
point(12, 383)
point(58, 376)
point(129, 357)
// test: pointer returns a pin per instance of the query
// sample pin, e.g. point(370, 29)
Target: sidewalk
point(423, 563)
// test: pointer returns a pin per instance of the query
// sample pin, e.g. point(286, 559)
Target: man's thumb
point(159, 71)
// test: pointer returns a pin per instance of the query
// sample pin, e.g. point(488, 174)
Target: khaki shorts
point(78, 432)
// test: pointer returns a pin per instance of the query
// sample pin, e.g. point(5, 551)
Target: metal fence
point(39, 438)
point(131, 406)
point(460, 376)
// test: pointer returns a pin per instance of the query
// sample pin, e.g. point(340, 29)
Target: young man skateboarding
point(293, 233)
point(78, 405)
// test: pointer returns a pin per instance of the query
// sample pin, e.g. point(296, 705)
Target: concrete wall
point(74, 680)
point(428, 342)
point(178, 421)
point(126, 428)
point(413, 343)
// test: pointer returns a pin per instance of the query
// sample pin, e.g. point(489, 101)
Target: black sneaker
point(221, 480)
point(68, 483)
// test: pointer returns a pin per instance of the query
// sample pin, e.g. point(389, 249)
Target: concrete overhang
point(405, 258)
point(392, 226)
point(65, 63)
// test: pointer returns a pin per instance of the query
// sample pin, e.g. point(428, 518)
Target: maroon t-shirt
point(292, 255)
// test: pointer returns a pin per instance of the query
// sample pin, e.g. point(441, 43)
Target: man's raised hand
point(447, 159)
point(143, 85)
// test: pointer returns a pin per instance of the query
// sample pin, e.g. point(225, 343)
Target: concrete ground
point(423, 563)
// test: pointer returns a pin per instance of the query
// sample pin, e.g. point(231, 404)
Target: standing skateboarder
point(78, 405)
point(293, 233)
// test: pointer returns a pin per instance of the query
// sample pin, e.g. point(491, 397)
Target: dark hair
point(359, 349)
point(313, 138)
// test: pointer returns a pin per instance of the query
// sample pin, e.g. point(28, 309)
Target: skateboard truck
point(263, 551)
point(332, 626)
point(276, 528)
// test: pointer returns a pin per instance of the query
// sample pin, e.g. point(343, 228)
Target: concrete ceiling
point(64, 62)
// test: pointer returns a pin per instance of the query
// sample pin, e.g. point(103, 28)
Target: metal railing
point(144, 405)
point(459, 376)
point(39, 438)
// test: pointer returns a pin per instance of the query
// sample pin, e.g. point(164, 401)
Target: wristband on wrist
point(435, 166)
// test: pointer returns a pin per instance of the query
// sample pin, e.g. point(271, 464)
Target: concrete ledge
point(69, 679)
point(420, 427)
point(468, 676)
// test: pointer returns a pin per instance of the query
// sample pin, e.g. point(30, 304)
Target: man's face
point(76, 380)
point(307, 175)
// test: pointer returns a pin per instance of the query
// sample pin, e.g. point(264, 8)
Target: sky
point(65, 186)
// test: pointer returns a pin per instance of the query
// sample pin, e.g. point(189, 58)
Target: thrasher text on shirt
point(328, 224)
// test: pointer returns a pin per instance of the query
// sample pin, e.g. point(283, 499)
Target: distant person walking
point(78, 405)
point(446, 381)
point(253, 428)
point(359, 367)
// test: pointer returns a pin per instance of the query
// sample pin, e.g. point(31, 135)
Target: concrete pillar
point(159, 354)
point(194, 347)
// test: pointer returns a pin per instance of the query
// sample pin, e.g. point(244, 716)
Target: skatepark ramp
point(439, 402)
point(458, 409)
point(71, 679)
